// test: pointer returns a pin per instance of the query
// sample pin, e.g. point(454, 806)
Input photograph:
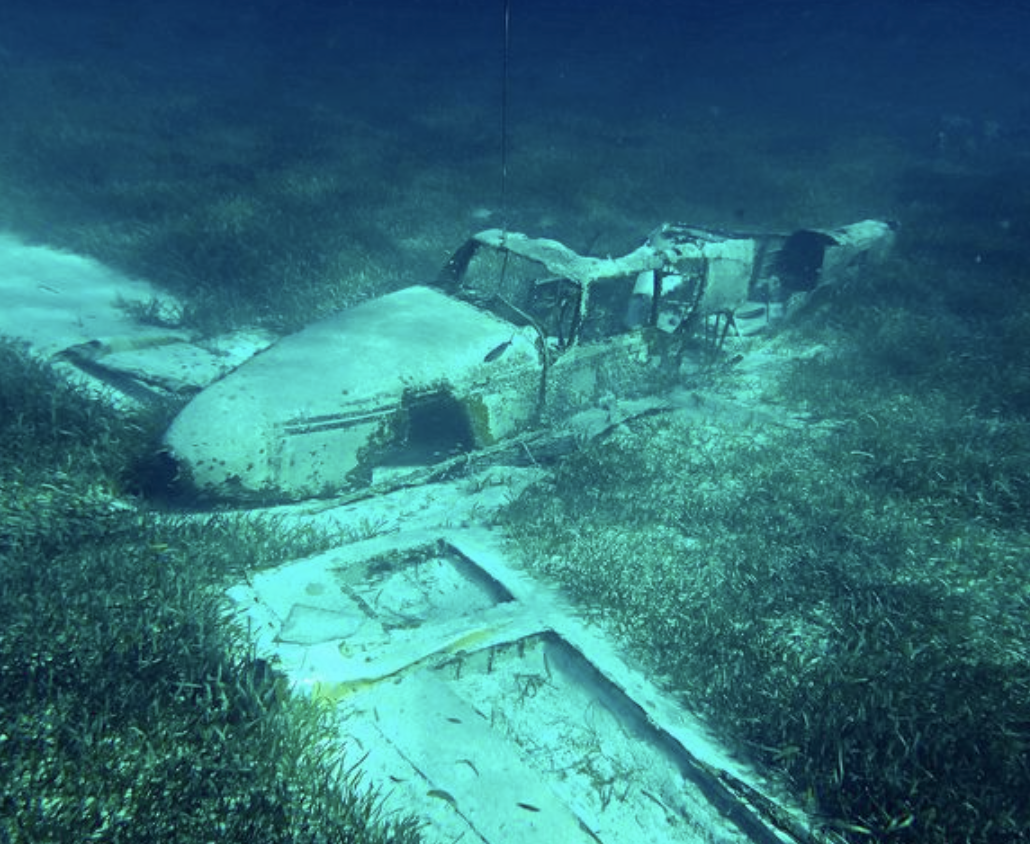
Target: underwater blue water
point(908, 65)
point(268, 147)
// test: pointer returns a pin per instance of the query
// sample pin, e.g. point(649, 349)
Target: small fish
point(440, 794)
point(529, 807)
point(497, 351)
point(471, 764)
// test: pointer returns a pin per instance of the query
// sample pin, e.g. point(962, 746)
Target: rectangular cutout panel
point(419, 586)
point(626, 780)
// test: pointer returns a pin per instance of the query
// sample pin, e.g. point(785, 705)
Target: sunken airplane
point(516, 336)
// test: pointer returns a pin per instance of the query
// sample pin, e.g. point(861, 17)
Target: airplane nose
point(318, 411)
